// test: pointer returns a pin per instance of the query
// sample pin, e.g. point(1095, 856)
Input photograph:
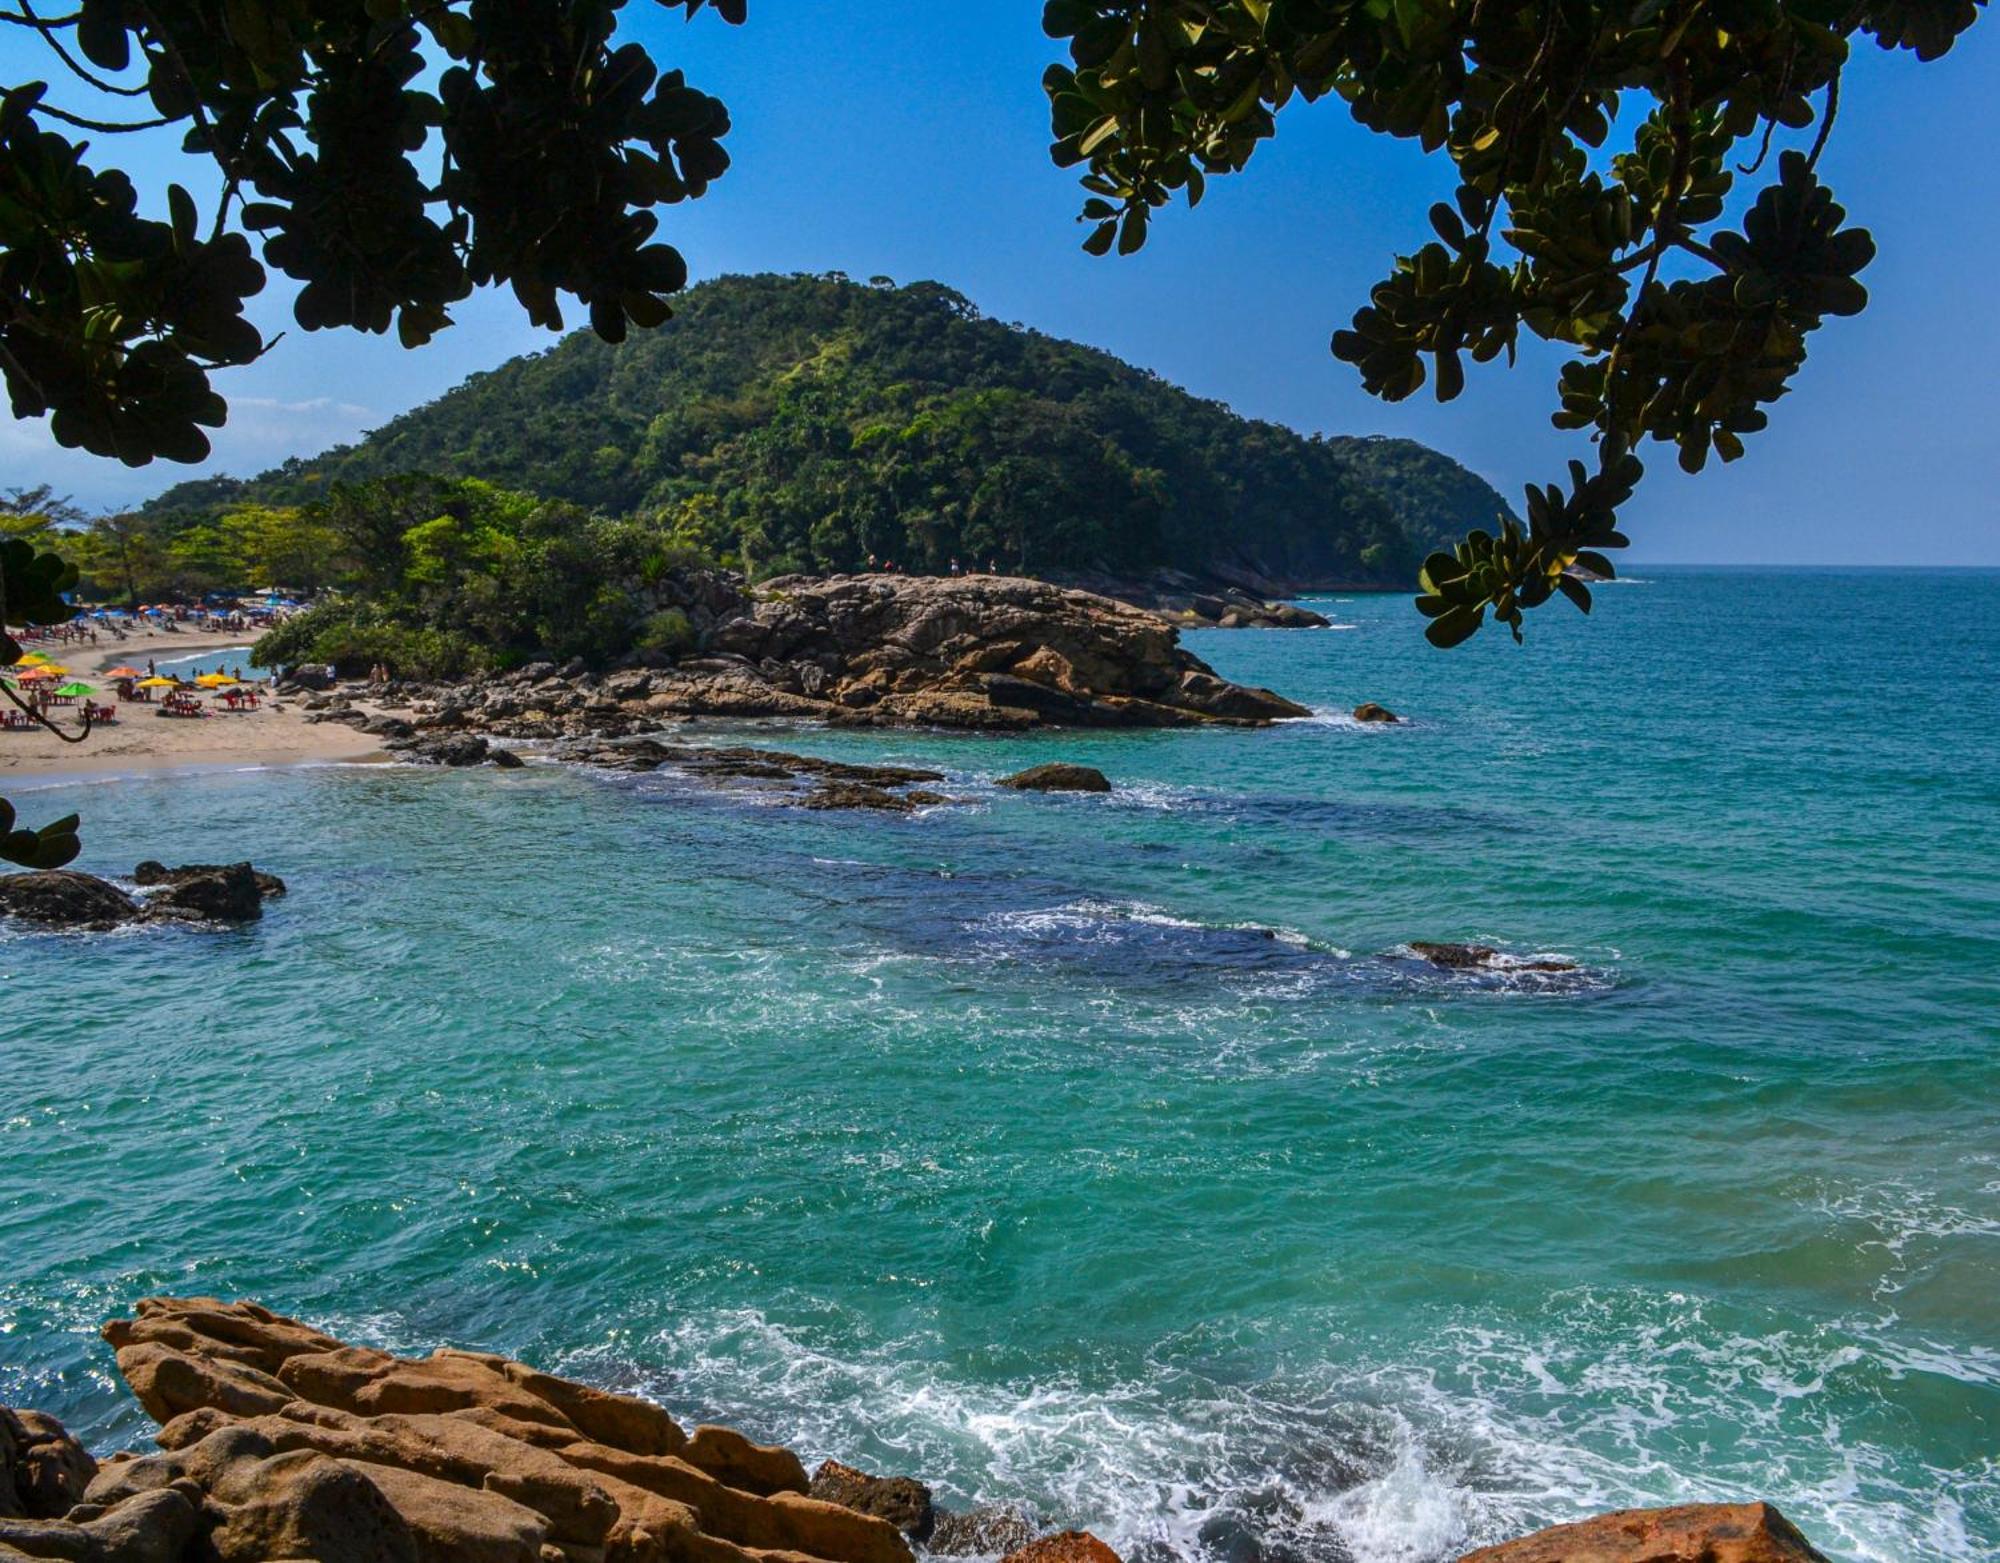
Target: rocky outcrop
point(457, 750)
point(903, 1501)
point(281, 1442)
point(1057, 777)
point(1691, 1533)
point(199, 892)
point(988, 652)
point(1369, 711)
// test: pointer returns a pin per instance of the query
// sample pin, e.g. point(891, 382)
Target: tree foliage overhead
point(390, 155)
point(810, 422)
point(1596, 143)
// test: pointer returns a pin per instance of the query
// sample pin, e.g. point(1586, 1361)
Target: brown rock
point(901, 1500)
point(1691, 1533)
point(1057, 777)
point(151, 873)
point(43, 1471)
point(236, 1331)
point(454, 1524)
point(303, 1505)
point(1069, 1546)
point(1369, 711)
point(737, 1462)
point(154, 1527)
point(169, 1382)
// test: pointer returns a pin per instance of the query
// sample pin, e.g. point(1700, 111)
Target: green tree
point(555, 148)
point(1595, 146)
point(283, 545)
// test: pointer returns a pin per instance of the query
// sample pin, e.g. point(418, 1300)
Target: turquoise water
point(1102, 1153)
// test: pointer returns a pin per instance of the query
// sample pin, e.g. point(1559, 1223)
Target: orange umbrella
point(124, 673)
point(26, 674)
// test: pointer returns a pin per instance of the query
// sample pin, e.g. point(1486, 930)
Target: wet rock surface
point(195, 892)
point(800, 779)
point(63, 898)
point(1369, 711)
point(278, 1441)
point(903, 1501)
point(1482, 957)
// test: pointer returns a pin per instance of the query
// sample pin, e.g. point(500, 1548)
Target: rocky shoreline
point(980, 653)
point(277, 1441)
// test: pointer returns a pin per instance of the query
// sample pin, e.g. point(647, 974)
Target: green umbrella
point(77, 689)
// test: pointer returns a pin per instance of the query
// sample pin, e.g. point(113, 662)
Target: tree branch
point(47, 30)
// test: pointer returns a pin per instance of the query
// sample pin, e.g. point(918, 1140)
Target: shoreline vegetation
point(278, 1441)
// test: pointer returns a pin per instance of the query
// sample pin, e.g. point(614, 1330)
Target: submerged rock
point(903, 1501)
point(63, 898)
point(1691, 1533)
point(1057, 777)
point(1481, 957)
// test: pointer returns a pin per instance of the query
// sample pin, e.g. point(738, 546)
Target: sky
point(909, 138)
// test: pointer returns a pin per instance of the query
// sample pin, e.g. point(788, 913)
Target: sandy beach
point(142, 740)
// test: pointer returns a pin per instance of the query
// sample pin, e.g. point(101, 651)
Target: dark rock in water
point(1480, 957)
point(62, 898)
point(43, 1471)
point(150, 873)
point(1689, 1533)
point(454, 749)
point(222, 895)
point(1069, 1546)
point(505, 759)
point(1369, 711)
point(1057, 777)
point(859, 795)
point(903, 1501)
point(990, 1531)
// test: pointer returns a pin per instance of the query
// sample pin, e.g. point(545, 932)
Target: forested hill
point(808, 422)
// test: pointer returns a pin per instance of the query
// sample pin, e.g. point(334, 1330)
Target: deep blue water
point(1107, 1154)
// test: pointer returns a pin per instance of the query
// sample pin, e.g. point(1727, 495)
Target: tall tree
point(1684, 327)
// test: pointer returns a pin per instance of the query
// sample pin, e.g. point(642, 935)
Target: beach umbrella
point(123, 673)
point(33, 659)
point(215, 680)
point(158, 683)
point(77, 689)
point(29, 675)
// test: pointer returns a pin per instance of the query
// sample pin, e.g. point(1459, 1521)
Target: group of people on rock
point(890, 567)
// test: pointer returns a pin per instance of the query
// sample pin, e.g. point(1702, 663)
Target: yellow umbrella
point(33, 659)
point(157, 683)
point(214, 680)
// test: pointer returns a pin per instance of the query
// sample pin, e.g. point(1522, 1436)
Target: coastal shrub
point(667, 633)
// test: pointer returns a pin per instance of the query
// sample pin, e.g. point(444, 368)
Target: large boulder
point(63, 898)
point(1690, 1533)
point(1369, 711)
point(1057, 777)
point(989, 1531)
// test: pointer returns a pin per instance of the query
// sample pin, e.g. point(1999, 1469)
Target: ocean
point(1112, 1156)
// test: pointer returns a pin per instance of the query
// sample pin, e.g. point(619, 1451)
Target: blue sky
point(909, 138)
